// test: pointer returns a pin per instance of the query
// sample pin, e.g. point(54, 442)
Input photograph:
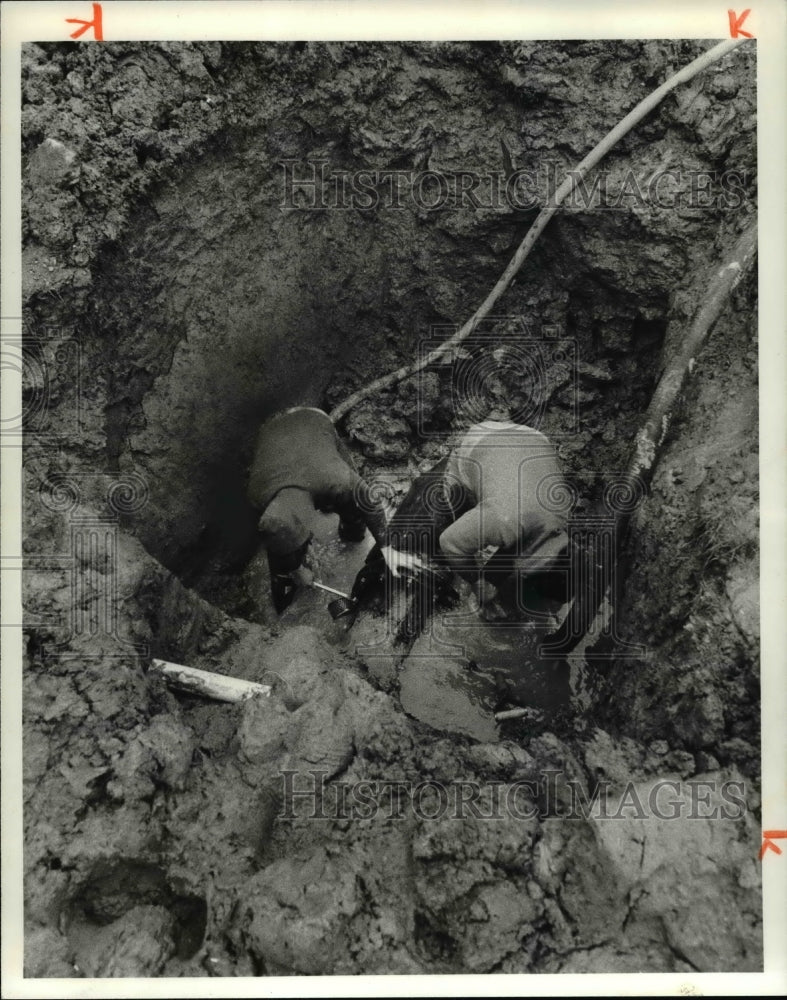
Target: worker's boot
point(283, 589)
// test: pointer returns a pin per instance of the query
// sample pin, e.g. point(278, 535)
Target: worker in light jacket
point(301, 466)
point(499, 477)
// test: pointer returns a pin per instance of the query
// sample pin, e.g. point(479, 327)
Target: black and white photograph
point(390, 525)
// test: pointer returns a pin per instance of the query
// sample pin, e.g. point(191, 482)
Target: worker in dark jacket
point(499, 475)
point(301, 466)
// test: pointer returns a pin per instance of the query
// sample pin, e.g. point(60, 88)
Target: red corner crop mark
point(736, 31)
point(98, 30)
point(768, 836)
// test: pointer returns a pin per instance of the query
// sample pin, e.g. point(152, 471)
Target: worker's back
point(300, 448)
point(502, 464)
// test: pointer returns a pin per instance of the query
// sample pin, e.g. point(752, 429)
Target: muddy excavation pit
point(190, 268)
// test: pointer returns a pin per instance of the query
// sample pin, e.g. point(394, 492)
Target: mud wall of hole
point(219, 309)
point(218, 305)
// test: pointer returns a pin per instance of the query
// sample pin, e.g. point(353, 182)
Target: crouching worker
point(300, 466)
point(506, 471)
point(496, 481)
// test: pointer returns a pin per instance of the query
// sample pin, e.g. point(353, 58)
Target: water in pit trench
point(463, 668)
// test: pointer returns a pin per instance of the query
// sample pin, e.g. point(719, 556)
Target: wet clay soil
point(172, 300)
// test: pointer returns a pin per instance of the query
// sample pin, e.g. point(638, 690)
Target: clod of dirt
point(299, 911)
point(141, 939)
point(688, 884)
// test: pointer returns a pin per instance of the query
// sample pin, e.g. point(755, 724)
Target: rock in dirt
point(501, 760)
point(48, 954)
point(471, 868)
point(136, 944)
point(295, 661)
point(689, 871)
point(500, 922)
point(298, 910)
point(743, 591)
point(158, 756)
point(263, 732)
point(52, 164)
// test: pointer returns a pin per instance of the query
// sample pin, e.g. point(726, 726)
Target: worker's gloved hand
point(402, 563)
point(283, 589)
